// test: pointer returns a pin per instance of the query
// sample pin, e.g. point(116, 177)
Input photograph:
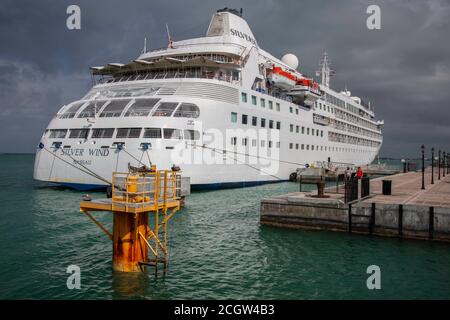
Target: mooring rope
point(88, 171)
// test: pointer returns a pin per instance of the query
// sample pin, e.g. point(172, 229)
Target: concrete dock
point(409, 212)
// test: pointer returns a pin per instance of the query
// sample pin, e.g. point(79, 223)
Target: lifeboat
point(306, 90)
point(281, 79)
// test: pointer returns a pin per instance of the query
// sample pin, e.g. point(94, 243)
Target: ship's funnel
point(229, 22)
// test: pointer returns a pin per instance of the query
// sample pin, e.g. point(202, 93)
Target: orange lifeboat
point(281, 78)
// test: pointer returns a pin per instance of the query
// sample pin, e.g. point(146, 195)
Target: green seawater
point(218, 250)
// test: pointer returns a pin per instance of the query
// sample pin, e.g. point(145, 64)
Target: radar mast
point(325, 70)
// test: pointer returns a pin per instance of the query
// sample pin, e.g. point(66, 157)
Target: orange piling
point(134, 197)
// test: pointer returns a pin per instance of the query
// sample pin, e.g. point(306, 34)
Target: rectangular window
point(317, 132)
point(141, 107)
point(152, 133)
point(263, 143)
point(244, 97)
point(263, 123)
point(233, 141)
point(244, 119)
point(233, 117)
point(291, 110)
point(321, 133)
point(128, 133)
point(270, 124)
point(296, 111)
point(270, 144)
point(254, 100)
point(187, 110)
point(170, 133)
point(312, 131)
point(307, 147)
point(102, 133)
point(303, 130)
point(254, 121)
point(278, 125)
point(263, 103)
point(114, 109)
point(254, 142)
point(312, 147)
point(91, 109)
point(270, 105)
point(296, 146)
point(297, 128)
point(71, 111)
point(291, 145)
point(307, 130)
point(291, 128)
point(244, 141)
point(79, 134)
point(303, 146)
point(57, 133)
point(278, 106)
point(165, 109)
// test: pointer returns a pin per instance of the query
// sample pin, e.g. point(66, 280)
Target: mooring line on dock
point(243, 162)
point(246, 154)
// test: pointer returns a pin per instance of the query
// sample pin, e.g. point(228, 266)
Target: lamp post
point(439, 165)
point(423, 167)
point(448, 163)
point(432, 165)
point(443, 165)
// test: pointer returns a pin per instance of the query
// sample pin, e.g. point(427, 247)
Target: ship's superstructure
point(223, 109)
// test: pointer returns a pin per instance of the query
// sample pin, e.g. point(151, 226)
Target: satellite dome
point(291, 60)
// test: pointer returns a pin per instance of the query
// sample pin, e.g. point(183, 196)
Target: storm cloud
point(402, 69)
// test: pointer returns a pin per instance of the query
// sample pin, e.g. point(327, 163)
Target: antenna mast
point(145, 46)
point(170, 45)
point(325, 71)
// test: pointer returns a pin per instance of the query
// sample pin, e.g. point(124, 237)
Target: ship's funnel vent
point(229, 22)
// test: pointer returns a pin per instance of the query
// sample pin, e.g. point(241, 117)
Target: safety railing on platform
point(145, 189)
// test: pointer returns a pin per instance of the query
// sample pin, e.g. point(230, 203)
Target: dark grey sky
point(403, 69)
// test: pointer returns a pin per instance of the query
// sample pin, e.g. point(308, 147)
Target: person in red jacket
point(359, 173)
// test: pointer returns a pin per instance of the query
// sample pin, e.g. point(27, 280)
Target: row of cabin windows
point(323, 148)
point(263, 122)
point(138, 108)
point(314, 132)
point(244, 142)
point(262, 102)
point(323, 107)
point(125, 133)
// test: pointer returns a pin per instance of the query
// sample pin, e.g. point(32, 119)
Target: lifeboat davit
point(281, 79)
point(306, 91)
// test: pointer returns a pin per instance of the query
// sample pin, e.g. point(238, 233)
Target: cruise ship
point(219, 107)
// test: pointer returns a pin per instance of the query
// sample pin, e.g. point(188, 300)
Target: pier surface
point(406, 189)
point(408, 212)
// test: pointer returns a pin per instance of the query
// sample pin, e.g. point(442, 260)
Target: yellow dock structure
point(134, 197)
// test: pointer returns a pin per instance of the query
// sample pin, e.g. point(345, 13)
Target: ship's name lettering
point(103, 152)
point(98, 152)
point(243, 35)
